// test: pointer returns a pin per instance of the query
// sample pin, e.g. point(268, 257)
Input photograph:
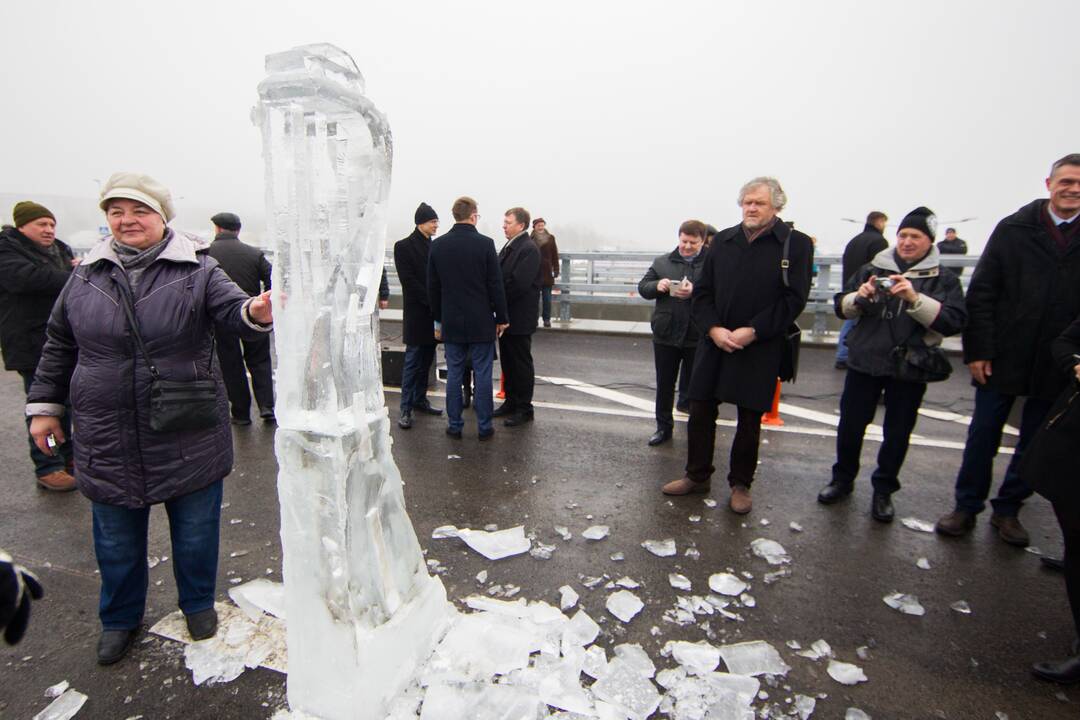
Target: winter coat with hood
point(30, 282)
point(887, 321)
point(91, 351)
point(671, 318)
point(1025, 291)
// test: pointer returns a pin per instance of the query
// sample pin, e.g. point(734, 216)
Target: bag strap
point(785, 261)
point(129, 311)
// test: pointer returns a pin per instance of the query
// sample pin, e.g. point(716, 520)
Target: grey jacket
point(671, 321)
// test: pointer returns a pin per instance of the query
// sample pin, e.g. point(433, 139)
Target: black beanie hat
point(28, 211)
point(425, 213)
point(922, 219)
point(227, 221)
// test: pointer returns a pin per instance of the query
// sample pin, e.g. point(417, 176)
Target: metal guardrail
point(611, 278)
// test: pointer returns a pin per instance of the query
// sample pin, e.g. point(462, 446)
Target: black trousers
point(857, 407)
point(1068, 515)
point(701, 441)
point(234, 354)
point(668, 360)
point(515, 356)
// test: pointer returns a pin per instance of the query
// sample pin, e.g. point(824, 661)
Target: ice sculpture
point(363, 612)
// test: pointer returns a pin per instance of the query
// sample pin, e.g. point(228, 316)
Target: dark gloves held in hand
point(17, 586)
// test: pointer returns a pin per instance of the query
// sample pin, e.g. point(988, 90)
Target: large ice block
point(363, 612)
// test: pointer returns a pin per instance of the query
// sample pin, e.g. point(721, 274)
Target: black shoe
point(547, 323)
point(241, 421)
point(427, 409)
point(834, 492)
point(405, 421)
point(487, 435)
point(683, 407)
point(503, 410)
point(202, 625)
point(466, 399)
point(518, 419)
point(840, 365)
point(1052, 563)
point(268, 415)
point(456, 434)
point(1064, 672)
point(113, 645)
point(881, 507)
point(659, 437)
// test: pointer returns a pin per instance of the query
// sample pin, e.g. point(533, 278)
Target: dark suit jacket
point(411, 261)
point(519, 261)
point(244, 264)
point(465, 287)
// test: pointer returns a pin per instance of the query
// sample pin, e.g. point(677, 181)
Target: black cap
point(425, 213)
point(227, 221)
point(922, 219)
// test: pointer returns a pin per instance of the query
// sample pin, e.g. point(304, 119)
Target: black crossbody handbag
point(175, 406)
point(789, 357)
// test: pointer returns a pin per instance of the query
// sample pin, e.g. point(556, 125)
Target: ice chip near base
point(627, 582)
point(854, 713)
point(444, 531)
point(697, 658)
point(568, 598)
point(753, 658)
point(846, 673)
point(624, 605)
point(596, 532)
point(57, 690)
point(818, 650)
point(709, 502)
point(660, 548)
point(918, 525)
point(907, 604)
point(564, 532)
point(922, 564)
point(679, 582)
point(727, 584)
point(635, 656)
point(804, 706)
point(630, 693)
point(64, 707)
point(498, 544)
point(771, 551)
point(962, 607)
point(795, 527)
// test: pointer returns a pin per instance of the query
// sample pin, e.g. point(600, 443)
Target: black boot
point(662, 435)
point(881, 507)
point(113, 645)
point(1063, 672)
point(203, 624)
point(834, 492)
point(503, 410)
point(405, 421)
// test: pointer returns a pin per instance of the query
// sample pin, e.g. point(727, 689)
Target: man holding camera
point(1024, 293)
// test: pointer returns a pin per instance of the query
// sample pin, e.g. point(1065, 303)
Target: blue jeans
point(545, 303)
point(45, 464)
point(483, 356)
point(841, 342)
point(414, 376)
point(120, 545)
point(984, 437)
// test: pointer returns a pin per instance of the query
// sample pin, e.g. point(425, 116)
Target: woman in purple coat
point(177, 293)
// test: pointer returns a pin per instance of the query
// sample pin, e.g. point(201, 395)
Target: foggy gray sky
point(613, 120)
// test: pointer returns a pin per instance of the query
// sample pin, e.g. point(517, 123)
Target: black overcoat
point(1023, 295)
point(741, 285)
point(465, 286)
point(1051, 464)
point(246, 265)
point(519, 262)
point(860, 250)
point(29, 285)
point(671, 321)
point(411, 261)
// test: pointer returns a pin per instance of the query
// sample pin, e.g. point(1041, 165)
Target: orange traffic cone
point(502, 387)
point(773, 416)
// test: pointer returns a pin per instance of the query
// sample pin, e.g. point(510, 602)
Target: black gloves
point(17, 586)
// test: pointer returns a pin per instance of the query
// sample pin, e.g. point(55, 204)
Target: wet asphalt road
point(589, 458)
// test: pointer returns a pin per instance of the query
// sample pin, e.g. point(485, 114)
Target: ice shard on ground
point(363, 612)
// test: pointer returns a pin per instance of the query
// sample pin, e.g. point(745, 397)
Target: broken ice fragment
point(772, 551)
point(444, 531)
point(479, 700)
point(567, 597)
point(660, 548)
point(624, 688)
point(918, 525)
point(679, 582)
point(1033, 550)
point(846, 673)
point(482, 576)
point(694, 518)
point(235, 521)
point(624, 605)
point(491, 527)
point(726, 584)
point(764, 522)
point(907, 604)
point(748, 600)
point(635, 656)
point(498, 544)
point(595, 662)
point(804, 706)
point(64, 707)
point(961, 607)
point(818, 649)
point(753, 658)
point(541, 551)
point(922, 564)
point(795, 527)
point(692, 552)
point(862, 652)
point(453, 457)
point(238, 553)
point(581, 630)
point(596, 532)
point(57, 690)
point(564, 532)
point(854, 713)
point(617, 557)
point(697, 658)
point(152, 561)
point(709, 502)
point(258, 597)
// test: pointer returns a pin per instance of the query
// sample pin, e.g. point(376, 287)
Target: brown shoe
point(59, 481)
point(1010, 530)
point(685, 486)
point(740, 502)
point(955, 524)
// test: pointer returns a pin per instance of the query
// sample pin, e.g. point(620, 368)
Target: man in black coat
point(1025, 291)
point(468, 307)
point(519, 262)
point(34, 267)
point(859, 251)
point(952, 245)
point(248, 267)
point(417, 325)
point(744, 307)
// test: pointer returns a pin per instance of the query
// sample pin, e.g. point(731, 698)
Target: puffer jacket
point(888, 321)
point(671, 321)
point(90, 350)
